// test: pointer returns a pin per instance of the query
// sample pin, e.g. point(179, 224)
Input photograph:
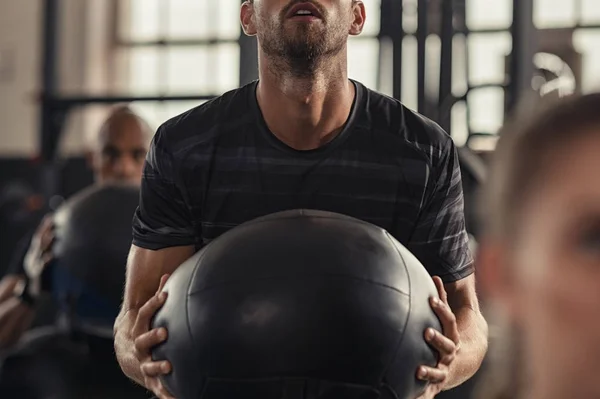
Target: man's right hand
point(145, 339)
point(146, 270)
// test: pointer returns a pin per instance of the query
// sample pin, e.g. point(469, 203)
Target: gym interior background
point(463, 63)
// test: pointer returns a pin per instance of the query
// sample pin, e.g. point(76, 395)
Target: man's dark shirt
point(218, 165)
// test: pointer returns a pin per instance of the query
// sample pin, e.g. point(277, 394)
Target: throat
point(306, 140)
point(306, 122)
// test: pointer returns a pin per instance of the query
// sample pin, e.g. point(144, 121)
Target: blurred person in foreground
point(539, 259)
point(117, 155)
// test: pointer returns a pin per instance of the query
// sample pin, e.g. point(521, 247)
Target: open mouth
point(304, 10)
point(304, 13)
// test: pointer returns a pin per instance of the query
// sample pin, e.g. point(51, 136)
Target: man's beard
point(303, 51)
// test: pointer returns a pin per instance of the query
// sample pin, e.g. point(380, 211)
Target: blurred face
point(553, 289)
point(122, 150)
point(303, 30)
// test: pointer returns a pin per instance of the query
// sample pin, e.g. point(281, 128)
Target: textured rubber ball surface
point(299, 304)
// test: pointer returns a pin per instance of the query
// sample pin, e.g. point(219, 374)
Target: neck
point(308, 109)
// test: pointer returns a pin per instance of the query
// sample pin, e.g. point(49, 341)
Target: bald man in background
point(117, 155)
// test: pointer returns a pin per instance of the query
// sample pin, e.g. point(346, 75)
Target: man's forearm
point(473, 331)
point(124, 347)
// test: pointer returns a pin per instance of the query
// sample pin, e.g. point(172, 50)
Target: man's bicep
point(145, 267)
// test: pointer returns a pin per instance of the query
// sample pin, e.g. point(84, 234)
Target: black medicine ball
point(299, 304)
point(93, 238)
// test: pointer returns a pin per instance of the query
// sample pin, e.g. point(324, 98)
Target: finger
point(46, 241)
point(444, 345)
point(156, 369)
point(146, 341)
point(147, 311)
point(439, 285)
point(447, 319)
point(47, 224)
point(434, 376)
point(8, 284)
point(162, 393)
point(163, 281)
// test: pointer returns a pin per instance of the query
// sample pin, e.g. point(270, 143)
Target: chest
point(237, 186)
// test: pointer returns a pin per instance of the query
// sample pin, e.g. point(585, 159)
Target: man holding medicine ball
point(303, 136)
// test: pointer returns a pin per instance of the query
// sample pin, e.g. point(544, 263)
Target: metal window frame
point(524, 35)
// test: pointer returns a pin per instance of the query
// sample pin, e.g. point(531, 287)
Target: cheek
point(104, 164)
point(574, 295)
point(557, 298)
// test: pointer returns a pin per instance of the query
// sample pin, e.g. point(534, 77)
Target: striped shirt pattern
point(218, 165)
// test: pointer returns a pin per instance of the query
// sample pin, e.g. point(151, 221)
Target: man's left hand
point(446, 343)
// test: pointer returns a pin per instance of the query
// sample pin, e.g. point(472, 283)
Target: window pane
point(459, 126)
point(373, 11)
point(459, 67)
point(486, 110)
point(410, 92)
point(203, 19)
point(156, 113)
point(487, 55)
point(183, 70)
point(386, 68)
point(590, 11)
point(433, 48)
point(482, 14)
point(554, 13)
point(139, 19)
point(143, 70)
point(586, 42)
point(146, 20)
point(363, 56)
point(410, 18)
point(202, 70)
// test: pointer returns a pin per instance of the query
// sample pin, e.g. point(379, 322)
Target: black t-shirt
point(218, 165)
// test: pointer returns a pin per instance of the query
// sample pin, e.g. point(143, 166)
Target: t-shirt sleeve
point(440, 240)
point(162, 218)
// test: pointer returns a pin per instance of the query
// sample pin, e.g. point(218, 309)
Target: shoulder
point(203, 123)
point(389, 116)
